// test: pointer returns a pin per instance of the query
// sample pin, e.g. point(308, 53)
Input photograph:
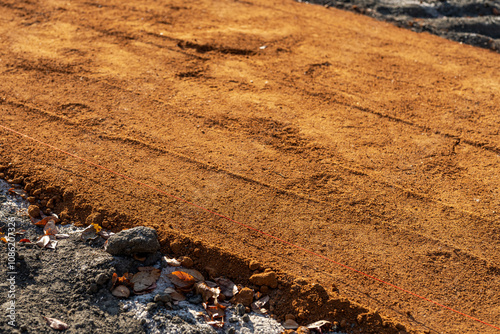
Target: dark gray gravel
point(467, 21)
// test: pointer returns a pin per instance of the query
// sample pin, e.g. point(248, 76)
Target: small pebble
point(246, 318)
point(239, 309)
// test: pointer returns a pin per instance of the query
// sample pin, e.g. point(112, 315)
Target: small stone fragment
point(239, 309)
point(245, 318)
point(37, 192)
point(289, 316)
point(266, 278)
point(34, 211)
point(162, 297)
point(32, 200)
point(101, 279)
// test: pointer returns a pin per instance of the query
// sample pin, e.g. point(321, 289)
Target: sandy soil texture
point(371, 145)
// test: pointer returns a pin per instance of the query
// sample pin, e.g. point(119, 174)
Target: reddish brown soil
point(374, 146)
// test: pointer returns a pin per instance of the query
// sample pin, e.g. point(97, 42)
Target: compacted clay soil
point(370, 145)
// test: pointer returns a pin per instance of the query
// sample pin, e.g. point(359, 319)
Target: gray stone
point(139, 239)
point(101, 279)
point(162, 297)
point(239, 309)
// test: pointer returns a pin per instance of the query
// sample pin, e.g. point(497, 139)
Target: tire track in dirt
point(247, 128)
point(355, 171)
point(150, 147)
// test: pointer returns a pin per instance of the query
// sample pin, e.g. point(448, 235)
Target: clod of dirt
point(94, 218)
point(176, 246)
point(34, 211)
point(139, 239)
point(245, 297)
point(186, 262)
point(267, 278)
point(254, 265)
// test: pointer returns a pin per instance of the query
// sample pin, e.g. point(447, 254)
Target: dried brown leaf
point(227, 287)
point(145, 278)
point(45, 220)
point(175, 295)
point(183, 281)
point(50, 228)
point(195, 273)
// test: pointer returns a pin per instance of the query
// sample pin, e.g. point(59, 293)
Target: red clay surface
point(374, 146)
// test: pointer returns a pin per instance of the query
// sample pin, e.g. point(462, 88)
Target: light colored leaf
point(207, 292)
point(89, 233)
point(47, 241)
point(56, 324)
point(171, 262)
point(121, 291)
